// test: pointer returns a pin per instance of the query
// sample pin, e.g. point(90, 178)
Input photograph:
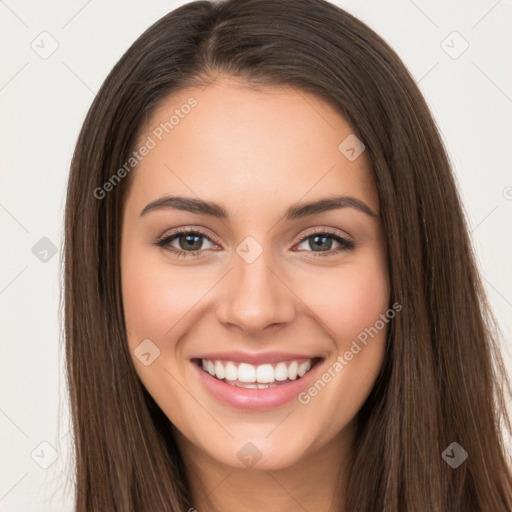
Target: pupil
point(322, 239)
point(189, 241)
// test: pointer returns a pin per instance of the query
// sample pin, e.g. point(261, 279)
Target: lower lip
point(243, 398)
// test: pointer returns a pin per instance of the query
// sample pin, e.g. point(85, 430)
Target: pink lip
point(256, 399)
point(255, 359)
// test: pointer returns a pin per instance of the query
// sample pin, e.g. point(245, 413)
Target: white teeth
point(264, 373)
point(231, 371)
point(303, 368)
point(281, 372)
point(260, 375)
point(292, 370)
point(219, 370)
point(246, 372)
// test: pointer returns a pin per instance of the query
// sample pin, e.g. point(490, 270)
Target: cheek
point(358, 303)
point(156, 296)
point(156, 300)
point(350, 299)
point(357, 297)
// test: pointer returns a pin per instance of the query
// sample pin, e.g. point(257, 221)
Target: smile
point(263, 376)
point(263, 384)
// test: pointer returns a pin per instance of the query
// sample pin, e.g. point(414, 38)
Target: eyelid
point(188, 230)
point(319, 230)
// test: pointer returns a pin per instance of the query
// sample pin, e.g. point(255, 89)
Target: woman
point(271, 297)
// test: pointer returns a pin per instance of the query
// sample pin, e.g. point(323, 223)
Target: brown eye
point(323, 243)
point(185, 243)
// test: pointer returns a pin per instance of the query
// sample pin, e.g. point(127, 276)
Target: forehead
point(230, 142)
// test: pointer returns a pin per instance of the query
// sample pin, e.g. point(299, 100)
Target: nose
point(257, 298)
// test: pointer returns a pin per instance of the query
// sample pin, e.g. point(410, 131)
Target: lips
point(256, 381)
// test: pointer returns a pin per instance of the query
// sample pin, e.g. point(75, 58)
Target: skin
point(256, 152)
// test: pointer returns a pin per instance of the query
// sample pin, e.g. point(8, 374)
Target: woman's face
point(274, 286)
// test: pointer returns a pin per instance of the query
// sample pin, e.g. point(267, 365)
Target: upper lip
point(255, 359)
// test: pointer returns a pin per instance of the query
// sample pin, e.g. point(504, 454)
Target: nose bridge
point(256, 297)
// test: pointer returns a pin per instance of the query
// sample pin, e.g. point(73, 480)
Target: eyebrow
point(297, 211)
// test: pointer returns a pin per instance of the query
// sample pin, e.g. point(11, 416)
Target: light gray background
point(43, 102)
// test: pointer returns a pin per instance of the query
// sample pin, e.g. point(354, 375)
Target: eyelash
point(345, 244)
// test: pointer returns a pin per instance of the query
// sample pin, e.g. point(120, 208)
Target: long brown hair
point(443, 379)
